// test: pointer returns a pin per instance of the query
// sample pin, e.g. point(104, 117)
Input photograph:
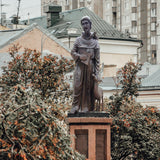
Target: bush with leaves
point(32, 125)
point(32, 129)
point(45, 74)
point(135, 130)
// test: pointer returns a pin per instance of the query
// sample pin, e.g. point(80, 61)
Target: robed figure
point(86, 54)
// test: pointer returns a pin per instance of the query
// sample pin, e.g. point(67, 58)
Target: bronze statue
point(86, 53)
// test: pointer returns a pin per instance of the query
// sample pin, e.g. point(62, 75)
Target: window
point(153, 26)
point(153, 40)
point(126, 19)
point(114, 19)
point(134, 16)
point(134, 29)
point(134, 3)
point(114, 3)
point(126, 4)
point(74, 4)
point(153, 12)
point(108, 5)
point(154, 54)
point(81, 3)
point(67, 2)
point(108, 18)
point(134, 26)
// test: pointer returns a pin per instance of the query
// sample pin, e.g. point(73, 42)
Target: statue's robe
point(83, 87)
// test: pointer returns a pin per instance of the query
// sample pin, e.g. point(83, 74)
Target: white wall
point(149, 98)
point(114, 52)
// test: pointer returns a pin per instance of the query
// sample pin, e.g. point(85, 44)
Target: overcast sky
point(33, 7)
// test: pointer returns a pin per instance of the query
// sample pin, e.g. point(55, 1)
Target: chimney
point(53, 12)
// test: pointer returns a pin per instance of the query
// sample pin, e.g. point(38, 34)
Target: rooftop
point(148, 69)
point(108, 83)
point(150, 75)
point(152, 81)
point(69, 24)
point(9, 36)
point(41, 21)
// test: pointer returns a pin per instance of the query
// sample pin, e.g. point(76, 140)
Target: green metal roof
point(152, 80)
point(70, 20)
point(148, 69)
point(41, 21)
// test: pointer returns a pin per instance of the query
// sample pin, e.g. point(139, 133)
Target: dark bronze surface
point(86, 54)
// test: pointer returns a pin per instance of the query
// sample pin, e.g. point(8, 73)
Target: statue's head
point(86, 23)
point(86, 18)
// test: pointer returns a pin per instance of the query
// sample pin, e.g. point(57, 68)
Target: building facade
point(93, 5)
point(138, 18)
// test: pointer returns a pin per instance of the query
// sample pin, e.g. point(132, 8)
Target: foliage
point(32, 129)
point(135, 133)
point(128, 79)
point(129, 82)
point(32, 125)
point(135, 130)
point(45, 74)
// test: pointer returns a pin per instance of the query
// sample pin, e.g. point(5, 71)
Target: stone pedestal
point(91, 134)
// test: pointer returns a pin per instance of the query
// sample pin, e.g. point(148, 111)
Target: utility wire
point(19, 1)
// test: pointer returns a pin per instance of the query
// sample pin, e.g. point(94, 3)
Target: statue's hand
point(83, 57)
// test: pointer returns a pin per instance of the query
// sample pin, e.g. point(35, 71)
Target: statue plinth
point(91, 134)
